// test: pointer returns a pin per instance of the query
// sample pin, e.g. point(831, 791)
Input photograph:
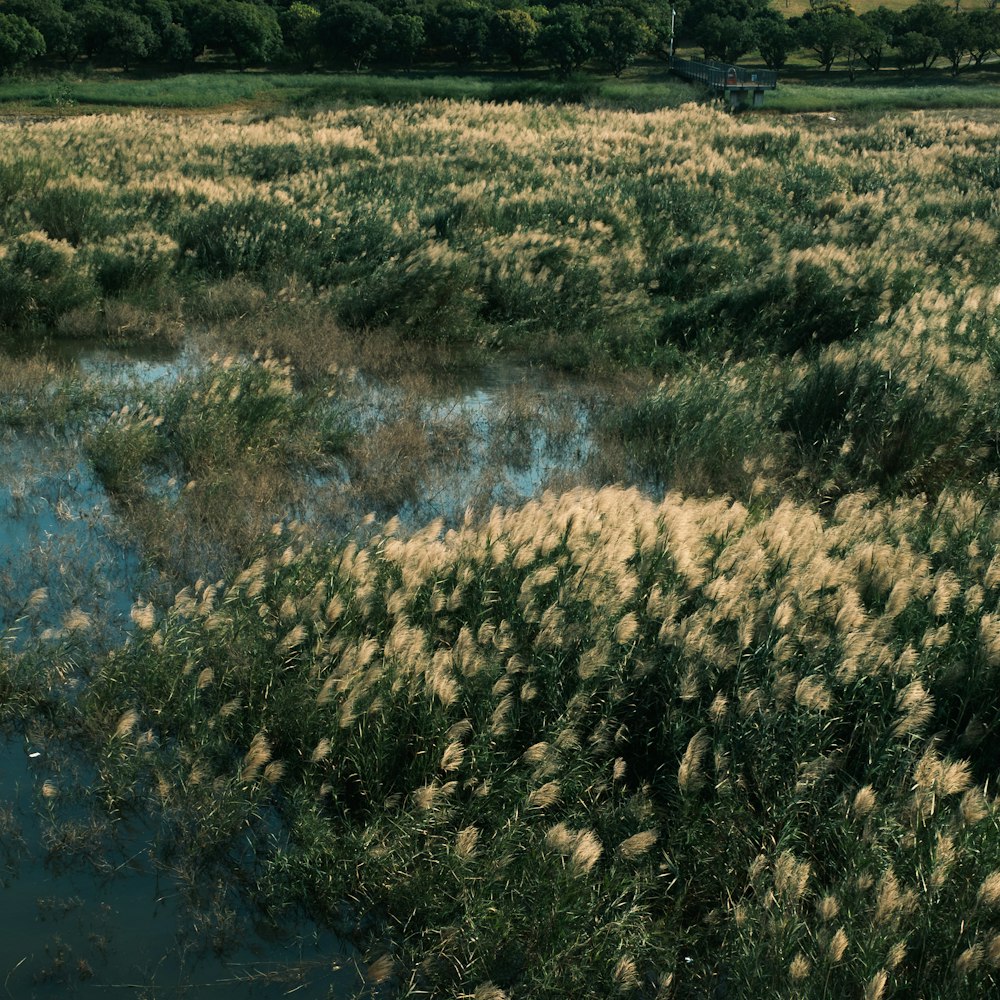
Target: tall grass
point(602, 744)
point(734, 742)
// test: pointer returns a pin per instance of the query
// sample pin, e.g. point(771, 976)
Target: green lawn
point(645, 87)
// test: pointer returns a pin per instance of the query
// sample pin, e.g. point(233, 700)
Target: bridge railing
point(721, 75)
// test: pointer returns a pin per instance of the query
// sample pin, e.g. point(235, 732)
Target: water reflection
point(90, 907)
point(58, 533)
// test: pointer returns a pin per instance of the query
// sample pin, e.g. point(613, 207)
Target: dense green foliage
point(507, 33)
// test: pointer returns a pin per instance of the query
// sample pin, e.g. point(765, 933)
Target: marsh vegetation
point(557, 549)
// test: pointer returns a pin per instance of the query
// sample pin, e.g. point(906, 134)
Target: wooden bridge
point(740, 86)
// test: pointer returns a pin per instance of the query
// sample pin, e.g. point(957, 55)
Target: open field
point(796, 8)
point(645, 87)
point(666, 666)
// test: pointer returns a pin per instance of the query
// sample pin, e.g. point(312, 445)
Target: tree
point(826, 30)
point(725, 29)
point(985, 33)
point(618, 36)
point(957, 40)
point(351, 32)
point(175, 44)
point(300, 31)
point(460, 28)
point(921, 30)
point(19, 42)
point(563, 41)
point(405, 39)
point(50, 19)
point(250, 31)
point(883, 25)
point(776, 38)
point(513, 33)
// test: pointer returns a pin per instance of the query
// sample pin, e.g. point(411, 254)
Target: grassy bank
point(67, 93)
point(644, 88)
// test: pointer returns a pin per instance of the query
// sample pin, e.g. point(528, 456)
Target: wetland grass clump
point(223, 449)
point(602, 744)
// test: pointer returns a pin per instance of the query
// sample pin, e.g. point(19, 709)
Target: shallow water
point(58, 532)
point(143, 364)
point(89, 908)
point(495, 435)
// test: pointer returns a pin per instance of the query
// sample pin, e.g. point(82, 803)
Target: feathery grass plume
point(77, 620)
point(989, 891)
point(561, 838)
point(627, 629)
point(974, 807)
point(915, 706)
point(321, 751)
point(127, 722)
point(946, 589)
point(49, 789)
point(944, 859)
point(864, 801)
point(993, 951)
point(690, 777)
point(969, 960)
point(800, 968)
point(828, 907)
point(292, 641)
point(231, 707)
point(37, 598)
point(890, 900)
point(791, 877)
point(274, 772)
point(989, 638)
point(897, 953)
point(426, 795)
point(592, 662)
point(335, 607)
point(144, 616)
point(544, 796)
point(875, 987)
point(466, 842)
point(586, 853)
point(461, 730)
point(619, 769)
point(205, 678)
point(488, 991)
point(381, 969)
point(451, 759)
point(535, 753)
point(638, 844)
point(838, 946)
point(256, 756)
point(719, 708)
point(812, 693)
point(626, 975)
point(499, 723)
point(991, 578)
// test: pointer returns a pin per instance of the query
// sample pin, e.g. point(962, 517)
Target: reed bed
point(601, 744)
point(738, 741)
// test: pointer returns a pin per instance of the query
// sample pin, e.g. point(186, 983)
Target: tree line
point(565, 37)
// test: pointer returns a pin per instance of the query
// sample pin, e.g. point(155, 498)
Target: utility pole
point(673, 18)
